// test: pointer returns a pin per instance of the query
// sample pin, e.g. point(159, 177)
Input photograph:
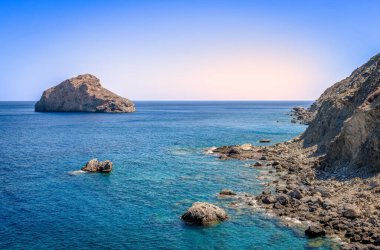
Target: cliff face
point(346, 124)
point(82, 94)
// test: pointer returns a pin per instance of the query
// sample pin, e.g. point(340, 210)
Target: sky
point(186, 50)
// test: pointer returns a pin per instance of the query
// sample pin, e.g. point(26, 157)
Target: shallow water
point(160, 168)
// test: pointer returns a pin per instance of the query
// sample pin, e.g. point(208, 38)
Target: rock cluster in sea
point(83, 93)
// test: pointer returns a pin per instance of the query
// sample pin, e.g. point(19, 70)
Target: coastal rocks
point(315, 231)
point(296, 194)
point(203, 213)
point(346, 126)
point(301, 115)
point(83, 93)
point(96, 166)
point(351, 211)
point(348, 209)
point(227, 192)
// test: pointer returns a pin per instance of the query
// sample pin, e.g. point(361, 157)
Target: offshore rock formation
point(98, 166)
point(82, 94)
point(203, 213)
point(346, 126)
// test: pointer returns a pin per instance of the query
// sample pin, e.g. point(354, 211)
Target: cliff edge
point(346, 123)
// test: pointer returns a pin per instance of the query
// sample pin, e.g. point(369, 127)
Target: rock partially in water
point(227, 192)
point(82, 94)
point(315, 231)
point(203, 213)
point(264, 140)
point(98, 166)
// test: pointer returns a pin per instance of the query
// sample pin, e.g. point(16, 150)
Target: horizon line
point(174, 100)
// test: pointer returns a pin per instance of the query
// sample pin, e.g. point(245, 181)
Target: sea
point(160, 168)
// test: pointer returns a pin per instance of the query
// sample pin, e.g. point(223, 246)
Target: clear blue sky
point(186, 50)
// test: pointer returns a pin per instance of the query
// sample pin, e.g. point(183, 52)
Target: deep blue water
point(159, 170)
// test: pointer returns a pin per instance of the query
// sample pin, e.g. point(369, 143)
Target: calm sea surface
point(160, 169)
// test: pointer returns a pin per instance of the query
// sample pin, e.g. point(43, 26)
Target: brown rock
point(82, 94)
point(203, 213)
point(95, 166)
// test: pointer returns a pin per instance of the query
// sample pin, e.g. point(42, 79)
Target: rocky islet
point(83, 93)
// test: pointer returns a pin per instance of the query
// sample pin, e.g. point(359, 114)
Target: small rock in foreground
point(203, 213)
point(98, 166)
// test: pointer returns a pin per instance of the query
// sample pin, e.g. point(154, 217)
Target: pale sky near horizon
point(186, 50)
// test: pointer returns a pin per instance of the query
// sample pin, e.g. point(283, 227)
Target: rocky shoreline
point(328, 204)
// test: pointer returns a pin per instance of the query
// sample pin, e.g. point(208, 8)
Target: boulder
point(203, 213)
point(351, 211)
point(96, 166)
point(315, 231)
point(257, 164)
point(296, 194)
point(283, 199)
point(83, 93)
point(269, 199)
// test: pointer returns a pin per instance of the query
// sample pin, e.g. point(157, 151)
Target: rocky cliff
point(346, 124)
point(83, 93)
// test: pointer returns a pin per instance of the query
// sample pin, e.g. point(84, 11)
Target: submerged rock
point(264, 140)
point(227, 192)
point(82, 94)
point(96, 166)
point(203, 213)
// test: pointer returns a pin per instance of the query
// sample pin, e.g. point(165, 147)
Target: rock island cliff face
point(82, 94)
point(346, 124)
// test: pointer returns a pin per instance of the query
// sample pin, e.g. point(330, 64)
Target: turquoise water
point(159, 170)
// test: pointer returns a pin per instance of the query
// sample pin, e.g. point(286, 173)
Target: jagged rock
point(98, 166)
point(82, 94)
point(203, 213)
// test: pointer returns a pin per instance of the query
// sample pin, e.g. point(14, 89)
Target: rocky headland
point(329, 177)
point(83, 93)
